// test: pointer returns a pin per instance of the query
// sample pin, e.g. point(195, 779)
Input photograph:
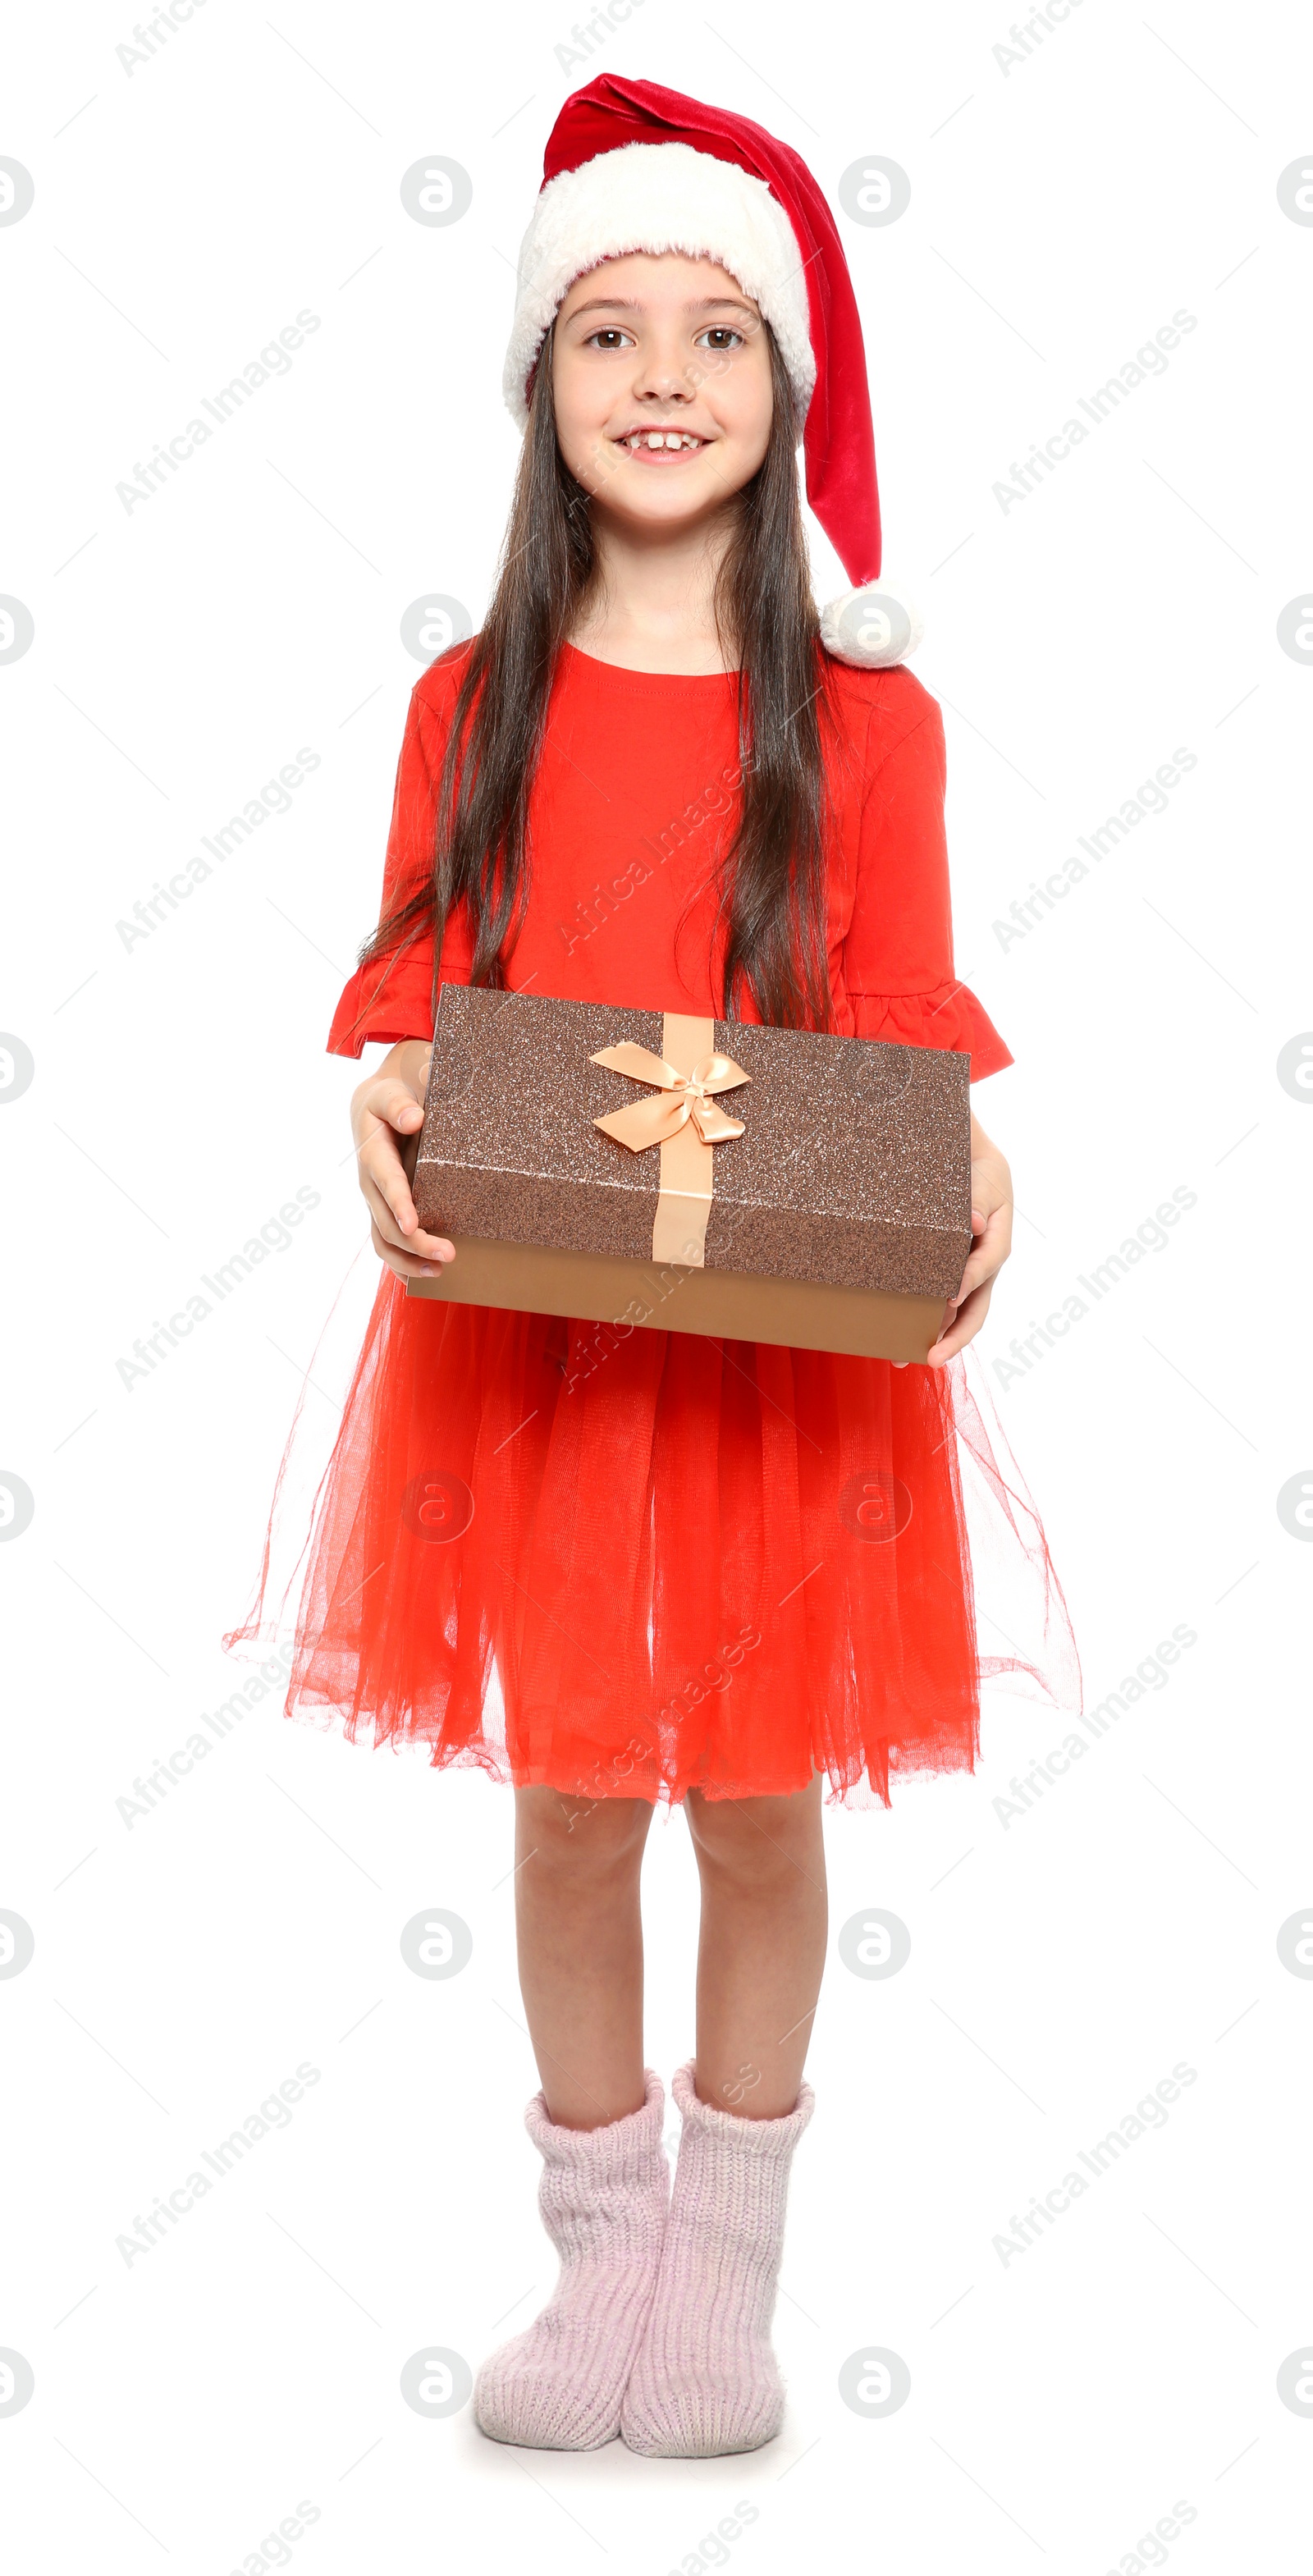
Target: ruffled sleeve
point(950, 1016)
point(898, 952)
point(392, 997)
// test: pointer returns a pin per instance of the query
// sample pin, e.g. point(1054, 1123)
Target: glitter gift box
point(694, 1175)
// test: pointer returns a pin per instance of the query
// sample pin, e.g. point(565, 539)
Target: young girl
point(651, 1565)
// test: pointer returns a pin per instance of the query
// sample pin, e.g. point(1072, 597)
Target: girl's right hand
point(387, 1112)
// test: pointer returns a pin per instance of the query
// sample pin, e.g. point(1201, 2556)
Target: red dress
point(631, 1566)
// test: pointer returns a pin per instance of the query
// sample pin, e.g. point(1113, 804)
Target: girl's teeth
point(662, 438)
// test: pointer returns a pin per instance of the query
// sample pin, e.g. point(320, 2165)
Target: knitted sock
point(602, 2198)
point(706, 2380)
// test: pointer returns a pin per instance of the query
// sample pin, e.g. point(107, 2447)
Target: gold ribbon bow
point(685, 1120)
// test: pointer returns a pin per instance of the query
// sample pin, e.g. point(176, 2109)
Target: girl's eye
point(607, 339)
point(719, 336)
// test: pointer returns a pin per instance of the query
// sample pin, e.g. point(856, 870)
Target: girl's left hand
point(991, 1226)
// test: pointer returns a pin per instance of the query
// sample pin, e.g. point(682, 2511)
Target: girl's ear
point(872, 627)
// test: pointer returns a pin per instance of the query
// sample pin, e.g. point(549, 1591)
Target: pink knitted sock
point(602, 2198)
point(706, 2380)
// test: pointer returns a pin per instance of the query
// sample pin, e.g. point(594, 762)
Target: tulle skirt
point(633, 1562)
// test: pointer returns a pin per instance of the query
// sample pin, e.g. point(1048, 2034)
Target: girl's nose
point(662, 379)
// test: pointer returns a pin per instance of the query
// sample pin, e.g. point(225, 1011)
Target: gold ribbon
point(685, 1120)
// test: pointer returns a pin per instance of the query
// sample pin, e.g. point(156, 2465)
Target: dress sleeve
point(391, 998)
point(898, 955)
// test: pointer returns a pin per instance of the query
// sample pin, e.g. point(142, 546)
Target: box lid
point(854, 1165)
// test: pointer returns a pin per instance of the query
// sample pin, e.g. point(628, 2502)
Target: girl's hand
point(387, 1112)
point(991, 1226)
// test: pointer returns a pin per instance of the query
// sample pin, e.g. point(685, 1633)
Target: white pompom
point(872, 627)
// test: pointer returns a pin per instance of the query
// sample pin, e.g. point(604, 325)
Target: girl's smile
point(660, 446)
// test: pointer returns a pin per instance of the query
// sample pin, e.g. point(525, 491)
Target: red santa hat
point(633, 167)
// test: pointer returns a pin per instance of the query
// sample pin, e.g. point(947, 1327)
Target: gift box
point(694, 1175)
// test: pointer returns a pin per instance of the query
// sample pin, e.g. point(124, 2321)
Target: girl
point(622, 1569)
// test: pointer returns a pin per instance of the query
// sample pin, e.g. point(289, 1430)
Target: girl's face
point(662, 381)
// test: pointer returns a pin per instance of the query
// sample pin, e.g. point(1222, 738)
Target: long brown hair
point(772, 877)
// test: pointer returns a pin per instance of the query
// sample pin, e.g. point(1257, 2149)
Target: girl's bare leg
point(581, 1950)
point(762, 1948)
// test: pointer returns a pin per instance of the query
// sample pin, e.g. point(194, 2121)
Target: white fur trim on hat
point(659, 197)
point(871, 627)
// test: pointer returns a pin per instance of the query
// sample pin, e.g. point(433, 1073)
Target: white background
point(1063, 207)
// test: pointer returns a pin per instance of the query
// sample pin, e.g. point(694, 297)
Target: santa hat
point(633, 167)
